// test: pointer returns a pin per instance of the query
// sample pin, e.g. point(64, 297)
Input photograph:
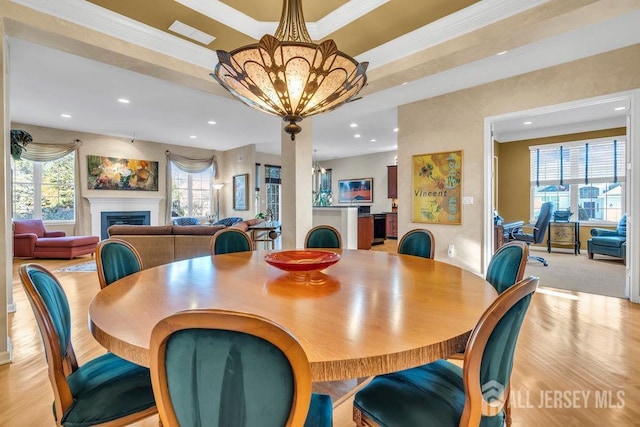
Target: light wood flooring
point(576, 361)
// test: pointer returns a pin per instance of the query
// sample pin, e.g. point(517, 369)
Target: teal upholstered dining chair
point(443, 394)
point(222, 368)
point(323, 236)
point(104, 391)
point(506, 268)
point(230, 240)
point(115, 259)
point(507, 265)
point(418, 242)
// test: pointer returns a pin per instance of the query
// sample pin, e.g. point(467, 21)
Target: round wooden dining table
point(368, 314)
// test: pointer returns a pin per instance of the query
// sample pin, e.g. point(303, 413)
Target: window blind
point(592, 161)
point(272, 174)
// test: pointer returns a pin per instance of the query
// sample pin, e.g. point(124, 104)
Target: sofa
point(162, 244)
point(609, 242)
point(32, 240)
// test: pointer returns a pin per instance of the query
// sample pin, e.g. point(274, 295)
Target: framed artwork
point(355, 190)
point(111, 173)
point(437, 188)
point(241, 192)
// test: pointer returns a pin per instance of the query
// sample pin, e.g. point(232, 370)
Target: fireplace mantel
point(122, 204)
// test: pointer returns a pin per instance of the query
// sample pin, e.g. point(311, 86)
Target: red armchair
point(30, 239)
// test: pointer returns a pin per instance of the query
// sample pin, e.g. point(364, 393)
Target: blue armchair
point(609, 242)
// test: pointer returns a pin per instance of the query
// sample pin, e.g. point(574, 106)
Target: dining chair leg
point(507, 409)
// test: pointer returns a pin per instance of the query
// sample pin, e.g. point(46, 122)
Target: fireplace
point(125, 206)
point(107, 219)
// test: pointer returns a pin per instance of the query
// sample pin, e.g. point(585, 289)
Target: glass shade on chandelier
point(288, 75)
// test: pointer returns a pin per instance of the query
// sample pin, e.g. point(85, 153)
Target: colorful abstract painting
point(110, 173)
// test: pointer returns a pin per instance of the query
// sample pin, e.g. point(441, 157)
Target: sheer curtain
point(50, 152)
point(188, 165)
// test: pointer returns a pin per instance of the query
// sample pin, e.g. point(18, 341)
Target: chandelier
point(288, 75)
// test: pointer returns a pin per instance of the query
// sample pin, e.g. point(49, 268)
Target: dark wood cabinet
point(365, 231)
point(392, 182)
point(392, 226)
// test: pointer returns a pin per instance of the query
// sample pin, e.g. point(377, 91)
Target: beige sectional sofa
point(161, 244)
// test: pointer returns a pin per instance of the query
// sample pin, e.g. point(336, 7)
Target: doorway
point(563, 114)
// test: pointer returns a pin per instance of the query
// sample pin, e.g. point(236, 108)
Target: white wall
point(368, 166)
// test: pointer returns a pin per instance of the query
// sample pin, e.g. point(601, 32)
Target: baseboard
point(6, 356)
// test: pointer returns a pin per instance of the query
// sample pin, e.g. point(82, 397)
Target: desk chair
point(115, 259)
point(539, 229)
point(230, 240)
point(323, 236)
point(106, 391)
point(443, 394)
point(222, 368)
point(418, 242)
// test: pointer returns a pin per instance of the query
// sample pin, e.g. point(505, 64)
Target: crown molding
point(340, 17)
point(112, 24)
point(89, 15)
point(472, 18)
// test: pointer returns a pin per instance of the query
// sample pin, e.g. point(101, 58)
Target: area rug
point(602, 275)
point(85, 266)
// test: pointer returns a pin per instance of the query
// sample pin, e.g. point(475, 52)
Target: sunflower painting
point(110, 173)
point(437, 188)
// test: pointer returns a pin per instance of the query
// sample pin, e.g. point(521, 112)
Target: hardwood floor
point(575, 363)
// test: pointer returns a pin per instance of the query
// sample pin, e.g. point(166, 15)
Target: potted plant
point(19, 140)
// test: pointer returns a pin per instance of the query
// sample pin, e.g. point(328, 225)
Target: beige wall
point(237, 162)
point(102, 145)
point(456, 121)
point(369, 166)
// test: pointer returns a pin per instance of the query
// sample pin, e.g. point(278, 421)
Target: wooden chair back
point(418, 242)
point(230, 240)
point(488, 359)
point(323, 236)
point(115, 259)
point(181, 339)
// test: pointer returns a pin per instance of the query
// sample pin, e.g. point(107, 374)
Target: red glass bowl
point(302, 260)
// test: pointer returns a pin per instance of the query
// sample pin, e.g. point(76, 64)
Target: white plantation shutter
point(580, 162)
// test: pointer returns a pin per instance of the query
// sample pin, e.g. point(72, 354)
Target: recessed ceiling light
point(193, 137)
point(620, 108)
point(357, 135)
point(353, 125)
point(372, 140)
point(502, 53)
point(527, 123)
point(395, 129)
point(211, 122)
point(65, 116)
point(190, 32)
point(404, 83)
point(123, 100)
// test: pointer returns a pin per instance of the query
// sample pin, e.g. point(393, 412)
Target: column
point(296, 186)
point(6, 230)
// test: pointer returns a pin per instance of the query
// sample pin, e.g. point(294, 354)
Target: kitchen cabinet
point(365, 231)
point(392, 182)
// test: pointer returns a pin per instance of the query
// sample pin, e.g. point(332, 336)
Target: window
point(44, 190)
point(191, 193)
point(584, 177)
point(272, 180)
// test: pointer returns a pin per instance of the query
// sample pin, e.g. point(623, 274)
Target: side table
point(566, 233)
point(266, 232)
